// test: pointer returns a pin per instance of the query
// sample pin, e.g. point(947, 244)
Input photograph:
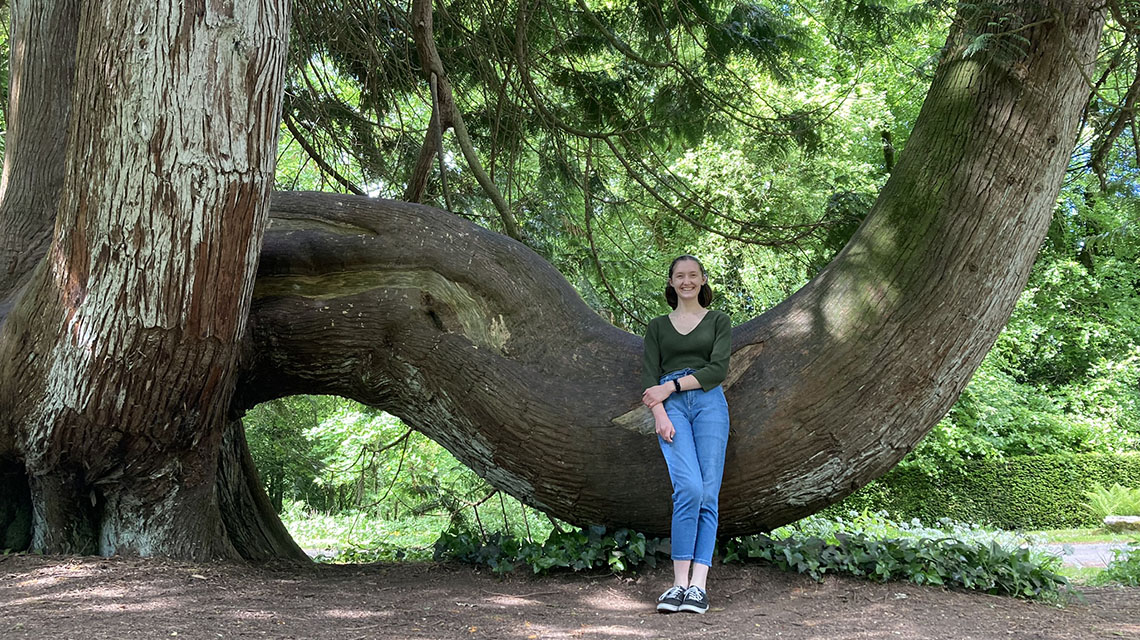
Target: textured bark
point(41, 76)
point(251, 521)
point(42, 73)
point(117, 362)
point(475, 341)
point(421, 172)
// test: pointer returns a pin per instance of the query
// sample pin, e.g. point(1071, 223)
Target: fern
point(1116, 500)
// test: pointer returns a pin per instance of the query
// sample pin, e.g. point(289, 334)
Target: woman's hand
point(656, 395)
point(665, 428)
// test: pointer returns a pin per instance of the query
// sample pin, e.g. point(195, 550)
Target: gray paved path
point(1085, 554)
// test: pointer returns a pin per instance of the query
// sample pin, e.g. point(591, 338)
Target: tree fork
point(478, 343)
point(444, 100)
point(65, 517)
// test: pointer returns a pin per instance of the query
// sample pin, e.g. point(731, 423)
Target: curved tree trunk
point(117, 388)
point(249, 516)
point(117, 363)
point(478, 343)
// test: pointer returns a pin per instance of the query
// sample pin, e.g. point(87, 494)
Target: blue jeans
point(696, 464)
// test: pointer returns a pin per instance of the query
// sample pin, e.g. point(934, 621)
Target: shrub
point(1021, 492)
point(592, 548)
point(960, 555)
point(1124, 568)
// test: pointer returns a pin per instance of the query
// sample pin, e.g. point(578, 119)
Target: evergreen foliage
point(867, 545)
point(1022, 492)
point(578, 550)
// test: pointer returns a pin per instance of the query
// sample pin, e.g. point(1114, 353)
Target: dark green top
point(706, 348)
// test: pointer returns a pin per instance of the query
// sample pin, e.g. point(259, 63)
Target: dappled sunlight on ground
point(158, 604)
point(357, 614)
point(601, 631)
point(1127, 630)
point(612, 600)
point(96, 599)
point(513, 601)
point(49, 577)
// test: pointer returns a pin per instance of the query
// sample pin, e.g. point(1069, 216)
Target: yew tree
point(150, 292)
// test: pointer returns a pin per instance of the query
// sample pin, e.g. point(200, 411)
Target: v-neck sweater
point(706, 349)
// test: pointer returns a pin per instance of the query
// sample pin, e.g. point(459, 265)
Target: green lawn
point(1081, 576)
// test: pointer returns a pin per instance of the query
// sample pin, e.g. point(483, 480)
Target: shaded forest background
point(618, 134)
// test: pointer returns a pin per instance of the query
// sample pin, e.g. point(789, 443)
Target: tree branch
point(440, 119)
point(433, 68)
point(316, 156)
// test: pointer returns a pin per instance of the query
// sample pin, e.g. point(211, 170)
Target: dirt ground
point(94, 598)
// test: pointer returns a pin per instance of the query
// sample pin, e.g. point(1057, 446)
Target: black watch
point(677, 385)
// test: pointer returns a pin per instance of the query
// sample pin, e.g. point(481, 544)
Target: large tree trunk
point(42, 72)
point(117, 362)
point(475, 341)
point(41, 77)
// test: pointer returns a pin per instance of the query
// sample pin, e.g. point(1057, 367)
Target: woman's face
point(687, 279)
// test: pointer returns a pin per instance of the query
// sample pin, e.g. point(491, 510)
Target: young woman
point(685, 360)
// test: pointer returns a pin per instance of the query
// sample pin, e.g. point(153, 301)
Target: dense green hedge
point(1022, 492)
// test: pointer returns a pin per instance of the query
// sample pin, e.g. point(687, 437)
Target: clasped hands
point(653, 398)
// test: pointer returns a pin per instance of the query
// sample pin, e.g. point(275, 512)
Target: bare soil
point(92, 598)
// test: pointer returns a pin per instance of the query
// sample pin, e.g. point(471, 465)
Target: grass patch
point(353, 537)
point(361, 537)
point(1081, 576)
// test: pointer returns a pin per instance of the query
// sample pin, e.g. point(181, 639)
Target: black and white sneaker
point(671, 600)
point(695, 600)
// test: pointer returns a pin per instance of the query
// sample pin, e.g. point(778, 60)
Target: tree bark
point(250, 517)
point(117, 362)
point(42, 74)
point(418, 179)
point(476, 342)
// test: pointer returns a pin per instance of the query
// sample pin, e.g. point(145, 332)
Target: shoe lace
point(674, 592)
point(694, 593)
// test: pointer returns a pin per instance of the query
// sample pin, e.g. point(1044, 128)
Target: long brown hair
point(704, 296)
